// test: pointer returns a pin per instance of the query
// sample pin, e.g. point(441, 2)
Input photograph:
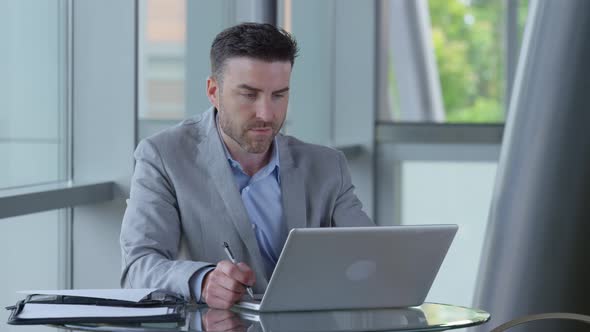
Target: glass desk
point(427, 317)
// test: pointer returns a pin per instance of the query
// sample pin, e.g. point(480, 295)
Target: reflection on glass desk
point(427, 317)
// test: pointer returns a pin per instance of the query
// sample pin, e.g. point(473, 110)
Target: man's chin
point(257, 147)
point(257, 150)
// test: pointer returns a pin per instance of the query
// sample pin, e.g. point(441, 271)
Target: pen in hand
point(233, 260)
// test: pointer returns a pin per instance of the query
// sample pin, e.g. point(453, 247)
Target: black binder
point(176, 309)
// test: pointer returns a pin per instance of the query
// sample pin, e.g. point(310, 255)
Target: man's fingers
point(224, 294)
point(224, 286)
point(216, 302)
point(230, 284)
point(240, 272)
point(249, 272)
point(244, 267)
point(220, 279)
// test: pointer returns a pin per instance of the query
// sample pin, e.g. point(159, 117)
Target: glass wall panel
point(32, 92)
point(451, 193)
point(29, 247)
point(33, 141)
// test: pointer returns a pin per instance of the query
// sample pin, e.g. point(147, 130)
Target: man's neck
point(250, 162)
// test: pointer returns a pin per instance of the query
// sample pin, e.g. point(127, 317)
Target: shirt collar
point(266, 170)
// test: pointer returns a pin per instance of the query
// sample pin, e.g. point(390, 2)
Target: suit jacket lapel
point(292, 188)
point(221, 175)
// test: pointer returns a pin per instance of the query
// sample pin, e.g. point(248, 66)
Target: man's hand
point(224, 286)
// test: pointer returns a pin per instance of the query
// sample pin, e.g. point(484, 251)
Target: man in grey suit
point(228, 175)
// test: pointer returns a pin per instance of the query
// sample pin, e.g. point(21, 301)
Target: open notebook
point(96, 306)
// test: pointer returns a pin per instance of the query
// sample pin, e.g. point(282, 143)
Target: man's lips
point(261, 130)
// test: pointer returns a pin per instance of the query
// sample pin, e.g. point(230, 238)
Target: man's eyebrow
point(251, 88)
point(281, 90)
point(247, 87)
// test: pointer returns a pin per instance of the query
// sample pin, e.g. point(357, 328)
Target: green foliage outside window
point(468, 38)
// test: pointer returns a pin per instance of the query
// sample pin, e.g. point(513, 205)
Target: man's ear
point(212, 91)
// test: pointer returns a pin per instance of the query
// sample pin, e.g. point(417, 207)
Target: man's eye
point(279, 96)
point(249, 95)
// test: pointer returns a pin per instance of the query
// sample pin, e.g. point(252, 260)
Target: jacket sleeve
point(348, 210)
point(151, 230)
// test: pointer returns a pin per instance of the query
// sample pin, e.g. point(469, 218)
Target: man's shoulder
point(191, 130)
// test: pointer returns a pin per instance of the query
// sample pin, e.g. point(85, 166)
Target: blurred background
point(415, 93)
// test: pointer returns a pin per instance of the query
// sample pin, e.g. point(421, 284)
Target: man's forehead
point(257, 73)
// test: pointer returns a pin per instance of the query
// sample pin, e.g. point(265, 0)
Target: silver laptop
point(355, 268)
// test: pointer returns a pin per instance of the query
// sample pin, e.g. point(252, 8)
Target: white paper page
point(36, 310)
point(134, 295)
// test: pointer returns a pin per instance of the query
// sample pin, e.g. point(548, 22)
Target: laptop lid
point(356, 268)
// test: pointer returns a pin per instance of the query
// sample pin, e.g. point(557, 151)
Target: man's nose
point(264, 110)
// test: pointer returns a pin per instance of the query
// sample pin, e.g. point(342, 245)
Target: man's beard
point(256, 144)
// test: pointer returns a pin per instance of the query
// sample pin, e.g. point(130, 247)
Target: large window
point(33, 124)
point(31, 259)
point(452, 61)
point(33, 141)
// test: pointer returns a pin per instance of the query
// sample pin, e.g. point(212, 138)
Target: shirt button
point(253, 226)
point(247, 189)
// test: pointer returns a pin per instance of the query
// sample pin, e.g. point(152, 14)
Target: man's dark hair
point(253, 40)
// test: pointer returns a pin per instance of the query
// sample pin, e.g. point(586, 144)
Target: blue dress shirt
point(261, 195)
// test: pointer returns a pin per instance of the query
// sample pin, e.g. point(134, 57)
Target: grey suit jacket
point(184, 204)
